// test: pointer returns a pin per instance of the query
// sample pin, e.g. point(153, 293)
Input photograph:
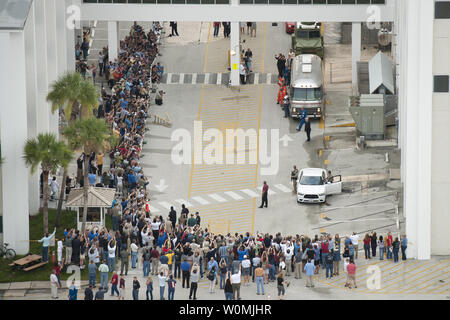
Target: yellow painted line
point(326, 162)
point(345, 125)
point(383, 274)
point(320, 153)
point(207, 47)
point(415, 274)
point(426, 280)
point(323, 230)
point(323, 215)
point(253, 218)
point(321, 122)
point(433, 283)
point(326, 138)
point(327, 101)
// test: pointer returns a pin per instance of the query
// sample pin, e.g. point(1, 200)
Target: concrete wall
point(440, 183)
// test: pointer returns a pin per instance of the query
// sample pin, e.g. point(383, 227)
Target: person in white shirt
point(60, 251)
point(354, 237)
point(245, 266)
point(112, 255)
point(236, 284)
point(54, 285)
point(162, 284)
point(134, 254)
point(242, 73)
point(288, 259)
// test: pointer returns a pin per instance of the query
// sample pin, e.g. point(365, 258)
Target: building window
point(441, 83)
point(442, 10)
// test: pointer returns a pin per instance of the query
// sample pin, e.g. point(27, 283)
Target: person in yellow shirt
point(100, 163)
point(169, 255)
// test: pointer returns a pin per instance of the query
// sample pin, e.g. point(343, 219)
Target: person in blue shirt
point(73, 291)
point(92, 235)
point(404, 245)
point(212, 263)
point(241, 253)
point(92, 178)
point(45, 243)
point(131, 181)
point(185, 271)
point(303, 116)
point(164, 259)
point(309, 269)
point(124, 204)
point(161, 239)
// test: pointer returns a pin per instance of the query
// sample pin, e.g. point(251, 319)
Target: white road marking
point(181, 78)
point(282, 188)
point(233, 195)
point(169, 78)
point(269, 192)
point(165, 205)
point(256, 78)
point(219, 78)
point(200, 200)
point(251, 193)
point(206, 78)
point(216, 197)
point(194, 78)
point(186, 203)
point(269, 78)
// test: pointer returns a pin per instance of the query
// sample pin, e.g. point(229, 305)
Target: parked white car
point(313, 185)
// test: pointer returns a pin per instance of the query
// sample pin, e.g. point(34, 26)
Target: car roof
point(312, 172)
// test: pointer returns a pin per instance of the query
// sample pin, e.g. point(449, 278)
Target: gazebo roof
point(97, 197)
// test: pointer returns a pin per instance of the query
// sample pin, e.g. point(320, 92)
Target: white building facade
point(42, 48)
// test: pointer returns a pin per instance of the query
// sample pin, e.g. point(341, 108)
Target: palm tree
point(90, 135)
point(71, 93)
point(50, 153)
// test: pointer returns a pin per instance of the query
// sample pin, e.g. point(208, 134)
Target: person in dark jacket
point(88, 294)
point(308, 129)
point(373, 244)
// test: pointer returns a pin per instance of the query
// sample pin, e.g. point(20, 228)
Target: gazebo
point(98, 200)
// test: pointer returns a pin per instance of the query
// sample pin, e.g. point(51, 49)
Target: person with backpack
point(212, 274)
point(329, 264)
point(171, 287)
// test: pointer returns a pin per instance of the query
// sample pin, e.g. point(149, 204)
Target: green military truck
point(307, 39)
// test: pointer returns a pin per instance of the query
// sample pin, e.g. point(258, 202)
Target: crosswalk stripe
point(269, 192)
point(200, 200)
point(256, 80)
point(153, 209)
point(206, 78)
point(181, 78)
point(194, 78)
point(165, 205)
point(282, 188)
point(169, 78)
point(219, 78)
point(234, 195)
point(186, 203)
point(216, 197)
point(251, 193)
point(269, 78)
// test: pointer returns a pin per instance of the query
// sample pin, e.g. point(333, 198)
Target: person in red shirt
point(351, 274)
point(114, 283)
point(265, 190)
point(389, 246)
point(367, 241)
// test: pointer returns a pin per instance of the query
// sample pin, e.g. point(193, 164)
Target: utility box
point(368, 112)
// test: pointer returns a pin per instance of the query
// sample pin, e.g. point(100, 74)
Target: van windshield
point(307, 94)
point(311, 181)
point(305, 34)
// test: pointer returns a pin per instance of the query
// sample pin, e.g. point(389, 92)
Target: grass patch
point(68, 220)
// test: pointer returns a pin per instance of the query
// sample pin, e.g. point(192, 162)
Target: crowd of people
point(177, 248)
